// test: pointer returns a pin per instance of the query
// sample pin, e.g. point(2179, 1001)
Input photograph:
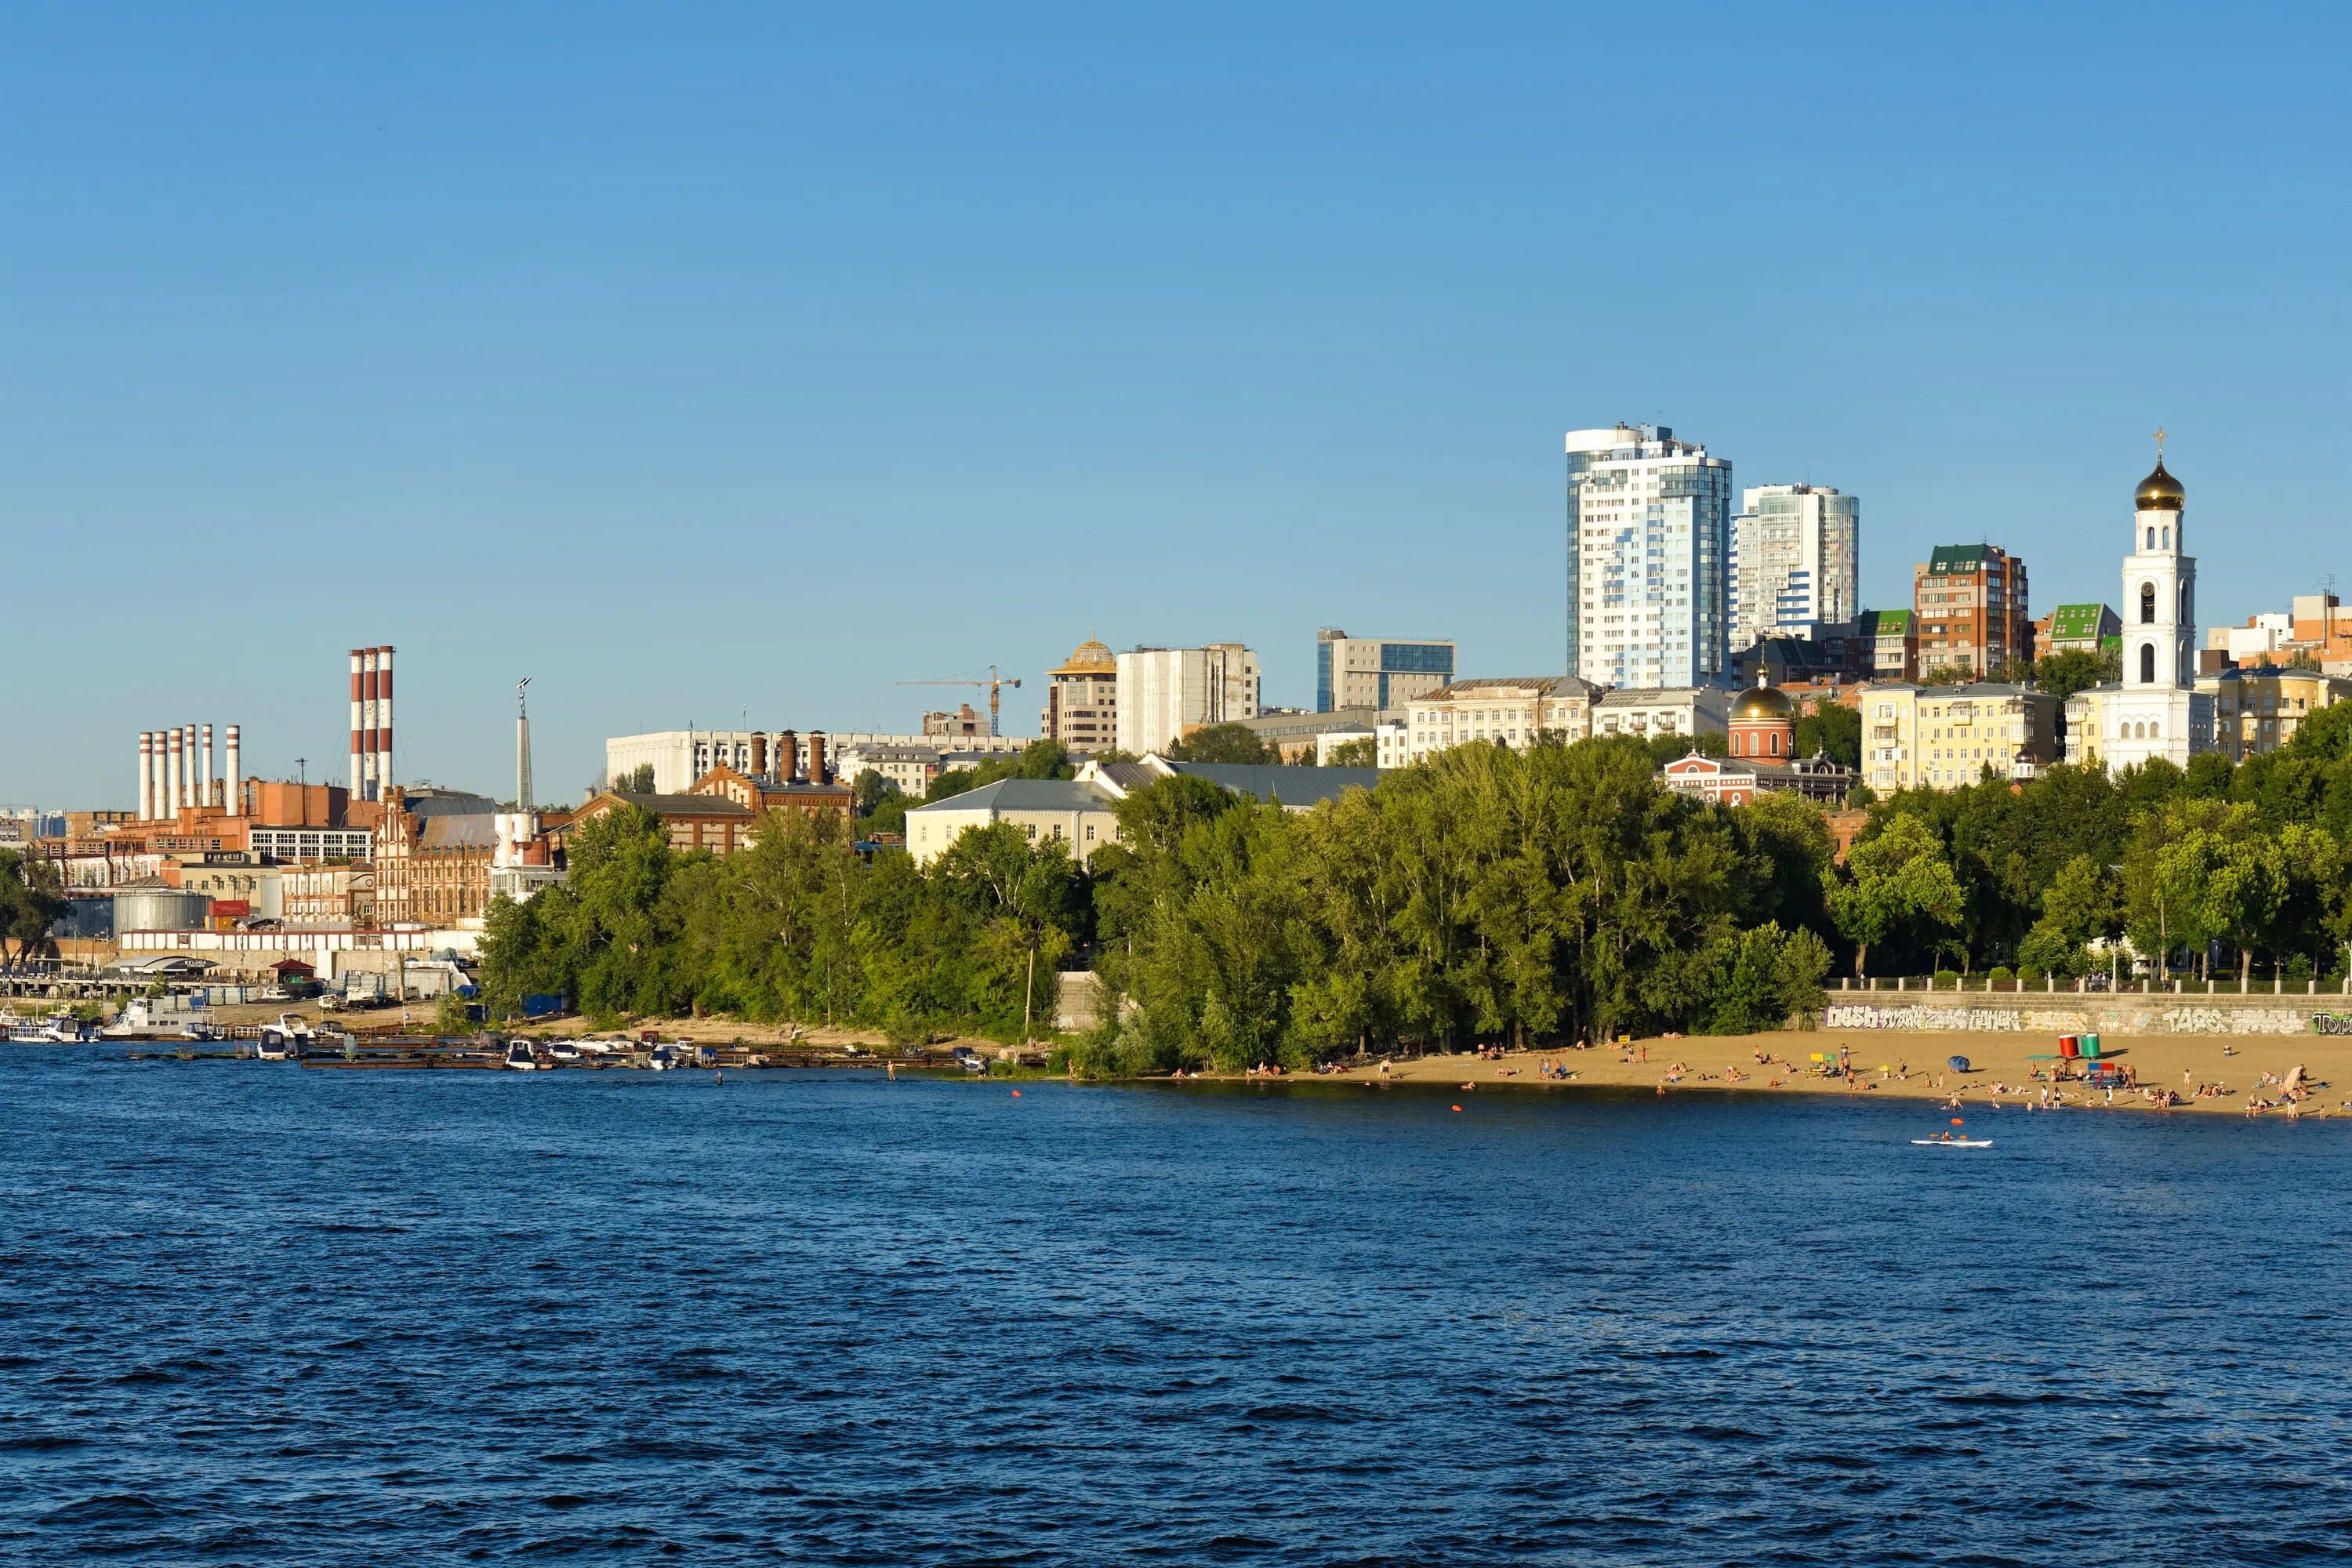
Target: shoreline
point(1909, 1065)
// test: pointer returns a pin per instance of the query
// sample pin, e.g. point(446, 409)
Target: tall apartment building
point(1082, 700)
point(1649, 523)
point(1970, 601)
point(1893, 637)
point(1377, 672)
point(1795, 560)
point(1165, 693)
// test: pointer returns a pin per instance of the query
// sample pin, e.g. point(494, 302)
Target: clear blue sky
point(700, 360)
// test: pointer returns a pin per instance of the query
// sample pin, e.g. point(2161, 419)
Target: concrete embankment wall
point(2124, 1015)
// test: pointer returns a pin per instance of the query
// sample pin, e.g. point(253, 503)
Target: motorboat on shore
point(521, 1057)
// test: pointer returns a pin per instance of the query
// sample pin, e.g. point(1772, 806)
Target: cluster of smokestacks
point(175, 770)
point(788, 757)
point(371, 722)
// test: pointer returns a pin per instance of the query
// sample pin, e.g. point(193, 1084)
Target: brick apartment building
point(1968, 602)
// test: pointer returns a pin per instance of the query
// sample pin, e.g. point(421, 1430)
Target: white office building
point(1166, 693)
point(1795, 560)
point(1380, 673)
point(1649, 523)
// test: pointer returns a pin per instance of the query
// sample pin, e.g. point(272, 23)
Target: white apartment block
point(1795, 561)
point(1165, 693)
point(1514, 710)
point(1649, 522)
point(1377, 673)
point(681, 756)
point(1646, 712)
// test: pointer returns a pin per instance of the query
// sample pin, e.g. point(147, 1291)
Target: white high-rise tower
point(1649, 520)
point(2155, 711)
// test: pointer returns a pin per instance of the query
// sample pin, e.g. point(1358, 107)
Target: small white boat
point(564, 1051)
point(662, 1058)
point(1952, 1142)
point(58, 1029)
point(520, 1056)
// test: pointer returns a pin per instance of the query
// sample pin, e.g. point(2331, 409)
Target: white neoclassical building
point(2156, 710)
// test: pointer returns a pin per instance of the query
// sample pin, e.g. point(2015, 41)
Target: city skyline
point(753, 389)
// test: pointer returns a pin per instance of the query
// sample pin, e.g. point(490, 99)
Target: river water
point(259, 1314)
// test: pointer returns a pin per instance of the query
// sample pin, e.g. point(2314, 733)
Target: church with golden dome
point(2155, 711)
point(1762, 741)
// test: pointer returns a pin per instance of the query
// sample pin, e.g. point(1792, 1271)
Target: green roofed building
point(1890, 645)
point(2078, 628)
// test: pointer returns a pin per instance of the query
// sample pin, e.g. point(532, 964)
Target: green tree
point(869, 790)
point(1665, 749)
point(2070, 671)
point(32, 900)
point(1223, 743)
point(1901, 885)
point(1832, 730)
point(1363, 752)
point(2084, 905)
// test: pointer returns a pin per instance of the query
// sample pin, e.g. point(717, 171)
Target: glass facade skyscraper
point(1795, 554)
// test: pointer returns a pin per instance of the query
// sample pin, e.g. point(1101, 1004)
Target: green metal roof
point(1885, 622)
point(1962, 559)
point(2074, 622)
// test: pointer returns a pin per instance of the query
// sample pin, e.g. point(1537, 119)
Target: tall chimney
point(758, 755)
point(171, 773)
point(384, 720)
point(234, 782)
point(816, 758)
point(205, 768)
point(522, 748)
point(367, 724)
point(355, 724)
point(188, 767)
point(788, 756)
point(146, 776)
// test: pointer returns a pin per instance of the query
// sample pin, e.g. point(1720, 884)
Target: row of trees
point(32, 900)
point(2254, 859)
point(1486, 895)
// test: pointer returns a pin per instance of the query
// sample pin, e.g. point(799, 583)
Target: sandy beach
point(1911, 1065)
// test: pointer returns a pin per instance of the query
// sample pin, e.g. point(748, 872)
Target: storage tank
point(161, 909)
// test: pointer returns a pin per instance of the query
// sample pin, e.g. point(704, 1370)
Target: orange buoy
point(1016, 1094)
point(1457, 1108)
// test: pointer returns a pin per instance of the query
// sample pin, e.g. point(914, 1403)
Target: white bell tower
point(2156, 710)
point(2159, 599)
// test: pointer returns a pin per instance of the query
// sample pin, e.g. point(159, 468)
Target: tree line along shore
point(1485, 897)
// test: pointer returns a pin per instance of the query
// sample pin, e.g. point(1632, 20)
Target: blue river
point(255, 1313)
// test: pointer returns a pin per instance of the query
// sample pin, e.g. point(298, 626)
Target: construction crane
point(994, 683)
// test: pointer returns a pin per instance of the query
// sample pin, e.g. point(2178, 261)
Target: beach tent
point(1957, 1064)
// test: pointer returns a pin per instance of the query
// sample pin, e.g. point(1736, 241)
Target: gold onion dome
point(2160, 492)
point(1762, 705)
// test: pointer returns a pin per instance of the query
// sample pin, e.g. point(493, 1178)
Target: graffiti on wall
point(2331, 1024)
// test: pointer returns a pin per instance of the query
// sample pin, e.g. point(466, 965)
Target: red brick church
point(1763, 735)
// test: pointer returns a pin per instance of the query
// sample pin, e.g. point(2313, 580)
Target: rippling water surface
point(259, 1314)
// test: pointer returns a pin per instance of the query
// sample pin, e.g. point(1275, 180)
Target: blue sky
point(704, 361)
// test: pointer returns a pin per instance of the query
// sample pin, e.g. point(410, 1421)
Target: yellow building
point(2257, 710)
point(1939, 737)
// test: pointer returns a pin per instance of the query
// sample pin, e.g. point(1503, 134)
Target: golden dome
point(2159, 492)
point(1763, 705)
point(1090, 656)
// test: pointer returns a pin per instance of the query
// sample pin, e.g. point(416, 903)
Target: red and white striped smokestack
point(384, 720)
point(187, 764)
point(205, 768)
point(146, 776)
point(171, 802)
point(357, 745)
point(233, 785)
point(367, 724)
